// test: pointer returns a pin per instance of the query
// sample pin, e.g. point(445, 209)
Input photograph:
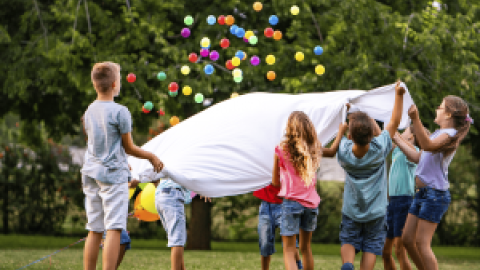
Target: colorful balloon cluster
point(232, 64)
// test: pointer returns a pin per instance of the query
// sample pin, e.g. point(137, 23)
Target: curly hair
point(458, 108)
point(303, 146)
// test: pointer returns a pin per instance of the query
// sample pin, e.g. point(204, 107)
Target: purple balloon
point(245, 39)
point(185, 32)
point(214, 56)
point(255, 60)
point(204, 52)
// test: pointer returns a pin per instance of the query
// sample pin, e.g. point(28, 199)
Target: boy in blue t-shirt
point(105, 172)
point(363, 158)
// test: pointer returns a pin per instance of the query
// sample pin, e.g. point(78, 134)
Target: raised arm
point(410, 152)
point(332, 150)
point(276, 172)
point(392, 126)
point(421, 133)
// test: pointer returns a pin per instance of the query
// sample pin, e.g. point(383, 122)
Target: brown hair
point(302, 145)
point(361, 128)
point(103, 75)
point(458, 108)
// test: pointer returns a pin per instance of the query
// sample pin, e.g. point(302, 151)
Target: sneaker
point(299, 264)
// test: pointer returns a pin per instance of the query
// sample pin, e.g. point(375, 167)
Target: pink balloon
point(204, 52)
point(214, 56)
point(255, 60)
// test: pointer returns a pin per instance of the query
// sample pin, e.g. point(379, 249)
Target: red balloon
point(229, 65)
point(224, 43)
point(193, 57)
point(162, 113)
point(145, 110)
point(173, 87)
point(221, 20)
point(131, 78)
point(268, 32)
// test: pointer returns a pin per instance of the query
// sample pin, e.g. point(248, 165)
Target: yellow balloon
point(294, 10)
point(174, 120)
point(147, 201)
point(237, 72)
point(257, 6)
point(299, 56)
point(248, 34)
point(205, 42)
point(270, 59)
point(234, 95)
point(185, 70)
point(236, 61)
point(187, 90)
point(319, 70)
point(130, 192)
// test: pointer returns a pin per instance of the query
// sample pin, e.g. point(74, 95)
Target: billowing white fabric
point(228, 149)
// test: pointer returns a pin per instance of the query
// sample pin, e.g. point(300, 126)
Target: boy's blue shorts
point(364, 236)
point(430, 204)
point(124, 239)
point(269, 218)
point(397, 212)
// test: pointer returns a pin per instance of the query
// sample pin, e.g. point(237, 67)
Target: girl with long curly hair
point(297, 159)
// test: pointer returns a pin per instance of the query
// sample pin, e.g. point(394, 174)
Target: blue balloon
point(211, 20)
point(208, 47)
point(209, 69)
point(240, 54)
point(233, 29)
point(318, 50)
point(273, 20)
point(240, 32)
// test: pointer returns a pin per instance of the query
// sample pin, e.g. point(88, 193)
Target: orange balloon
point(277, 35)
point(144, 215)
point(174, 120)
point(271, 75)
point(229, 20)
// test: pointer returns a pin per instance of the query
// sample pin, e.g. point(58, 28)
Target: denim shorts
point(397, 212)
point(430, 204)
point(295, 217)
point(171, 209)
point(364, 236)
point(269, 218)
point(124, 239)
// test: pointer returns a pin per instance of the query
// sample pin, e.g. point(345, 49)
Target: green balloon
point(161, 76)
point(238, 79)
point(148, 105)
point(253, 40)
point(199, 98)
point(188, 20)
point(173, 94)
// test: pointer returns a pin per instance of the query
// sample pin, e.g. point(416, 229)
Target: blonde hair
point(104, 74)
point(303, 146)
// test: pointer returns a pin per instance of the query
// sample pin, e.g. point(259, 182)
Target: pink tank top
point(292, 185)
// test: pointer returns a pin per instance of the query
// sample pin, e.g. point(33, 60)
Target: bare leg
point(347, 252)
point(177, 258)
point(425, 232)
point(123, 249)
point(306, 248)
point(289, 251)
point(297, 256)
point(90, 252)
point(401, 253)
point(368, 261)
point(409, 240)
point(265, 262)
point(111, 250)
point(388, 262)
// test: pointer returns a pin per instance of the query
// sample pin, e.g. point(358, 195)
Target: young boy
point(269, 218)
point(105, 172)
point(363, 226)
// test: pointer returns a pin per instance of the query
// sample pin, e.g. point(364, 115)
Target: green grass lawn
point(17, 251)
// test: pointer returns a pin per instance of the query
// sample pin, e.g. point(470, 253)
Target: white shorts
point(106, 205)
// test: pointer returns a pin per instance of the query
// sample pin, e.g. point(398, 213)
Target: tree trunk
point(199, 230)
point(5, 203)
